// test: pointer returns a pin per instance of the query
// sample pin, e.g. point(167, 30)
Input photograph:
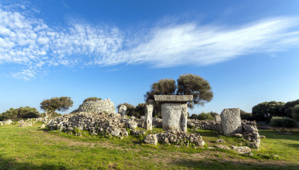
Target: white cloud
point(31, 42)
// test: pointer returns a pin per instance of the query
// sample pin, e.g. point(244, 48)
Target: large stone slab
point(231, 121)
point(174, 116)
point(174, 98)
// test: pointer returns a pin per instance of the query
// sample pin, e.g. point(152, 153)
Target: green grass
point(33, 148)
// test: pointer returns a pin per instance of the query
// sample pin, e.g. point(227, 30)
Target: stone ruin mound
point(96, 106)
point(96, 124)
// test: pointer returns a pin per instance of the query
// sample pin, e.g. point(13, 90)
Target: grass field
point(33, 148)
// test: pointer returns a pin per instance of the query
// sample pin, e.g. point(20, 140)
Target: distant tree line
point(22, 112)
point(266, 110)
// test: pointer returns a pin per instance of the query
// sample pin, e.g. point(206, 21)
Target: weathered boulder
point(217, 118)
point(148, 124)
point(122, 110)
point(42, 126)
point(241, 149)
point(97, 106)
point(151, 139)
point(220, 141)
point(231, 121)
point(250, 133)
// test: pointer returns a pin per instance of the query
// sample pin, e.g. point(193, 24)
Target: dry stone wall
point(175, 137)
point(96, 124)
point(204, 124)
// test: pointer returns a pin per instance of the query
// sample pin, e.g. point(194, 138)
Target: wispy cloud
point(29, 41)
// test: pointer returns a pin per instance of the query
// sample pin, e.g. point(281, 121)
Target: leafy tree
point(140, 109)
point(246, 116)
point(295, 112)
point(287, 109)
point(193, 116)
point(266, 110)
point(22, 112)
point(205, 116)
point(56, 103)
point(162, 87)
point(190, 84)
point(186, 85)
point(92, 99)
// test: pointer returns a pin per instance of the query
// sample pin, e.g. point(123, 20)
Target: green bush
point(295, 112)
point(92, 99)
point(283, 122)
point(22, 112)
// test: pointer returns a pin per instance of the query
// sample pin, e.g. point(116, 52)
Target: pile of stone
point(96, 124)
point(175, 137)
point(6, 122)
point(96, 106)
point(250, 133)
point(204, 124)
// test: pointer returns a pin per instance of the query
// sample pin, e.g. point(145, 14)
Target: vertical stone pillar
point(148, 124)
point(184, 118)
point(231, 121)
point(122, 110)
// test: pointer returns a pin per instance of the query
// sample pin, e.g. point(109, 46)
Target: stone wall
point(96, 124)
point(175, 137)
point(204, 124)
point(98, 106)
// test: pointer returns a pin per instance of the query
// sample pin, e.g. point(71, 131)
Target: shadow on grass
point(222, 164)
point(294, 146)
point(13, 164)
point(274, 134)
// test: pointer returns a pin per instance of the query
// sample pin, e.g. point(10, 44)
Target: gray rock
point(217, 118)
point(151, 139)
point(231, 121)
point(122, 110)
point(241, 149)
point(220, 141)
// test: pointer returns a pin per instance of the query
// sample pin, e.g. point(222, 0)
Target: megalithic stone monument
point(174, 111)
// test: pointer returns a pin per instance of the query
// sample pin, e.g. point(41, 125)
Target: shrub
point(205, 116)
point(295, 112)
point(92, 99)
point(22, 112)
point(283, 122)
point(246, 116)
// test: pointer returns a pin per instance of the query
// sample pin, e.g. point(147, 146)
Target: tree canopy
point(162, 87)
point(56, 103)
point(266, 110)
point(188, 84)
point(22, 112)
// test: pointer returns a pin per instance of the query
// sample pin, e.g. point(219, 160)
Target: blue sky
point(247, 50)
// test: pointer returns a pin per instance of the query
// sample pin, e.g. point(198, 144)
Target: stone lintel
point(173, 98)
